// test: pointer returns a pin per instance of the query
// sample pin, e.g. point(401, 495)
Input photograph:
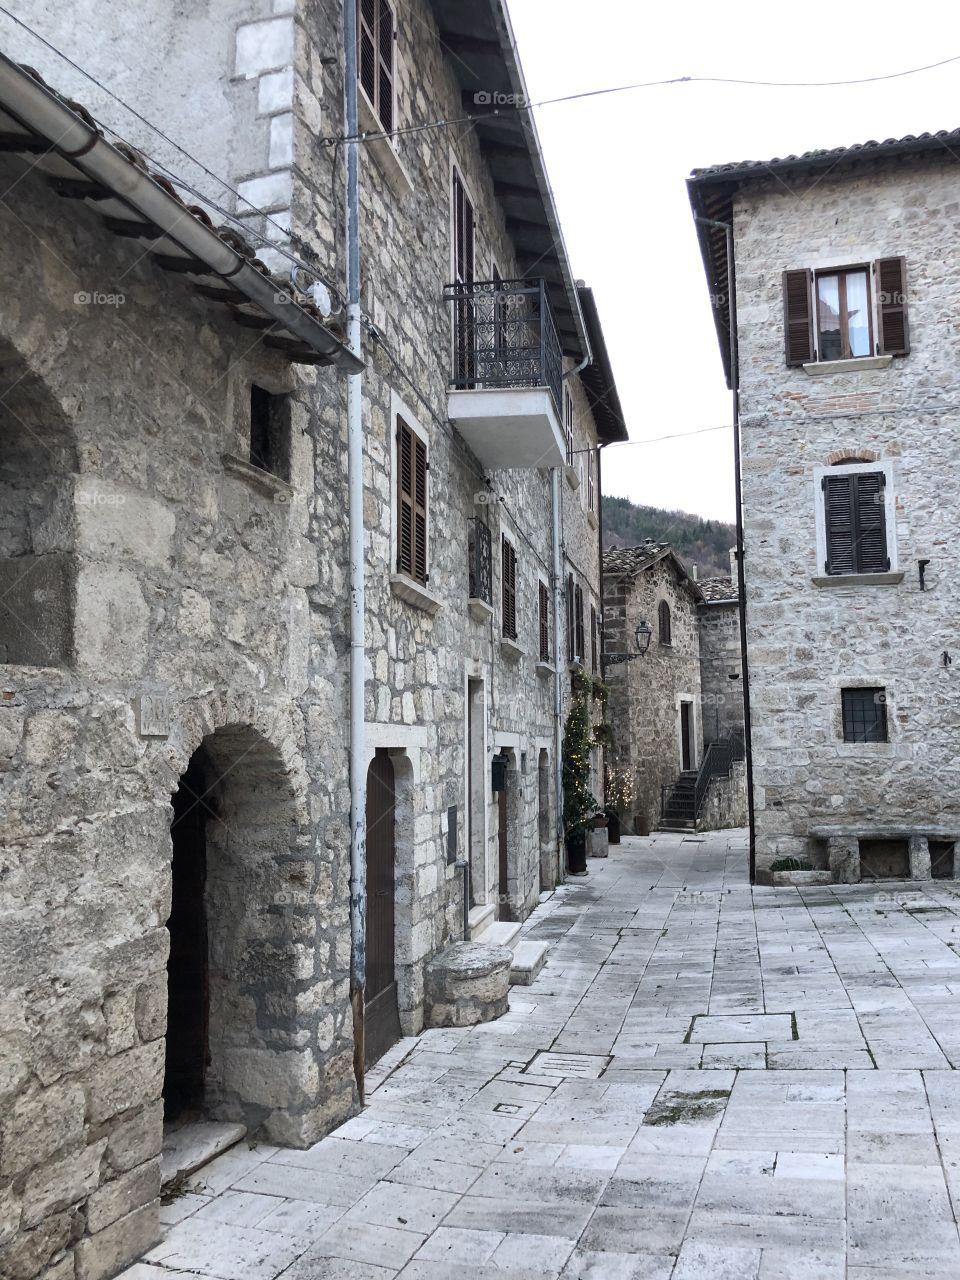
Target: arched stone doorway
point(242, 940)
point(382, 1017)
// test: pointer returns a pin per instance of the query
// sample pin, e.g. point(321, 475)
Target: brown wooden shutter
point(420, 511)
point(385, 67)
point(405, 498)
point(571, 628)
point(840, 524)
point(375, 53)
point(798, 317)
point(578, 611)
point(593, 638)
point(544, 599)
point(871, 522)
point(508, 574)
point(891, 279)
point(367, 41)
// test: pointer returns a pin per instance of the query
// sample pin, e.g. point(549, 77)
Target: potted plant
point(579, 805)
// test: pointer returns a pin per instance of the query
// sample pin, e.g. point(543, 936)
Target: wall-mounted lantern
point(641, 635)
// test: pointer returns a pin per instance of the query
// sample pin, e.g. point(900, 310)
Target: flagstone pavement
point(704, 1081)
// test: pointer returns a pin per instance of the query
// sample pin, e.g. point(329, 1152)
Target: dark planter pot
point(613, 827)
point(577, 853)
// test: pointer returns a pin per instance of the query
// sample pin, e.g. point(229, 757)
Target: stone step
point(503, 933)
point(528, 959)
point(190, 1146)
point(480, 919)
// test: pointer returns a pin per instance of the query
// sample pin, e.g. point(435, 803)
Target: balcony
point(506, 390)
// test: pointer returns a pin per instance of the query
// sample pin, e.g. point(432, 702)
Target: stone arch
point(38, 464)
point(840, 456)
point(262, 909)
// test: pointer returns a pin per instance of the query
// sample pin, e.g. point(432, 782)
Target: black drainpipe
point(727, 229)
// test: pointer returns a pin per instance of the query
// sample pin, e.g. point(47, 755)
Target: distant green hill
point(704, 543)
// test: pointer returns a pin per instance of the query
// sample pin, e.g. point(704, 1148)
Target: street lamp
point(641, 635)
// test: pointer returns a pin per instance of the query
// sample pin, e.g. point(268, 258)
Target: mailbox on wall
point(498, 778)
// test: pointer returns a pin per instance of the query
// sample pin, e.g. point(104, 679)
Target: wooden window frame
point(841, 273)
point(508, 588)
point(665, 623)
point(411, 561)
point(571, 624)
point(568, 423)
point(580, 642)
point(591, 481)
point(386, 120)
point(888, 322)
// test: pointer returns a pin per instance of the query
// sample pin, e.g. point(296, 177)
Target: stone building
point(721, 667)
point(173, 726)
point(844, 310)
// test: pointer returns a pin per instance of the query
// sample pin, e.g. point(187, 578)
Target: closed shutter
point(411, 503)
point(578, 615)
point(593, 638)
point(571, 627)
point(891, 278)
point(798, 317)
point(855, 523)
point(375, 40)
point(544, 623)
point(509, 585)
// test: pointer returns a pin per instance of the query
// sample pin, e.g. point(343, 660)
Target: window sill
point(859, 580)
point(510, 649)
point(861, 364)
point(383, 150)
point(573, 477)
point(480, 611)
point(592, 520)
point(414, 593)
point(546, 669)
point(263, 481)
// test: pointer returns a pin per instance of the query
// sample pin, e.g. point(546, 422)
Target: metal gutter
point(44, 114)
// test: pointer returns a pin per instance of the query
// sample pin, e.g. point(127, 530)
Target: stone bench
point(467, 983)
point(843, 848)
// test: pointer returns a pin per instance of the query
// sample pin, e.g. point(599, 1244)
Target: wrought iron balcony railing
point(481, 561)
point(505, 337)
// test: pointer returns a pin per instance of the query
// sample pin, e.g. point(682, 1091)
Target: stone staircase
point(528, 957)
point(680, 807)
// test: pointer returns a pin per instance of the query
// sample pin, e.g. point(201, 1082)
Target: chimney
point(733, 564)
point(693, 572)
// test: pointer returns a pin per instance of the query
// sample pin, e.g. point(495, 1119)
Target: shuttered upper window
point(568, 424)
point(508, 575)
point(580, 645)
point(846, 313)
point(855, 520)
point(411, 503)
point(375, 35)
point(544, 620)
point(571, 624)
point(664, 624)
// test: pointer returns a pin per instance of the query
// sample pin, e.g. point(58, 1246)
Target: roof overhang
point(598, 377)
point(482, 52)
point(66, 146)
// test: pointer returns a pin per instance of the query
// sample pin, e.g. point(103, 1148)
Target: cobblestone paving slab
point(705, 1082)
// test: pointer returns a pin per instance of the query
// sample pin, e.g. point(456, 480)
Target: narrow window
point(855, 522)
point(571, 625)
point(508, 575)
point(593, 638)
point(375, 37)
point(864, 715)
point(843, 314)
point(411, 503)
point(269, 432)
point(830, 315)
point(568, 423)
point(464, 275)
point(479, 552)
point(580, 646)
point(663, 617)
point(544, 616)
point(591, 486)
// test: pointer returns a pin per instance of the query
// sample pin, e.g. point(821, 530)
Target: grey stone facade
point(812, 634)
point(185, 610)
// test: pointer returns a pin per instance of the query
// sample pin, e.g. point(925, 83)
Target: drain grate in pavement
point(573, 1066)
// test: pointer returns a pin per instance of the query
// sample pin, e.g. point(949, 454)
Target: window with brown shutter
point(593, 638)
point(829, 315)
point(568, 424)
point(508, 577)
point(375, 37)
point(855, 523)
point(544, 617)
point(580, 645)
point(571, 625)
point(411, 503)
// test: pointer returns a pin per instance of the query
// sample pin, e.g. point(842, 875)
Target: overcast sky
point(617, 165)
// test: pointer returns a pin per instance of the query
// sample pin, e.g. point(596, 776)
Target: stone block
point(124, 1195)
point(118, 1012)
point(36, 625)
point(117, 524)
point(132, 1142)
point(467, 983)
point(125, 1080)
point(27, 1255)
point(39, 1124)
point(275, 92)
point(151, 1007)
point(920, 858)
point(598, 843)
point(844, 855)
point(263, 46)
point(271, 1078)
point(62, 1183)
point(111, 623)
point(528, 959)
point(269, 193)
point(102, 1255)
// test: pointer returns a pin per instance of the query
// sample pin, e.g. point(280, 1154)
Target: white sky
point(618, 164)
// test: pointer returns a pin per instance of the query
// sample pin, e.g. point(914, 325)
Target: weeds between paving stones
point(687, 1107)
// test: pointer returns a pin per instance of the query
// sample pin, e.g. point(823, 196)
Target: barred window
point(864, 715)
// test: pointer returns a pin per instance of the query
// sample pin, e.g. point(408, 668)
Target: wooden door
point(187, 966)
point(382, 1019)
point(686, 735)
point(503, 893)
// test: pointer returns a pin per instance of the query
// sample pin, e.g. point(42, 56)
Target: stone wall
point(807, 641)
point(721, 671)
point(646, 693)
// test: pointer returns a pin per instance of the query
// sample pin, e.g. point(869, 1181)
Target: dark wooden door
point(382, 1019)
point(686, 734)
point(503, 909)
point(187, 966)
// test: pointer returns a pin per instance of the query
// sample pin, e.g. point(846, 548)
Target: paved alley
point(704, 1081)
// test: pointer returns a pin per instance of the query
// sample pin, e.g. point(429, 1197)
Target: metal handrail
point(505, 336)
point(717, 760)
